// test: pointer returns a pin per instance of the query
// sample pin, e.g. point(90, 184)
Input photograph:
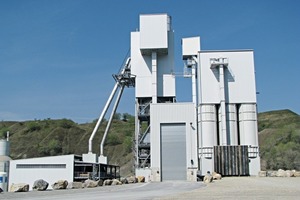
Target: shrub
point(33, 126)
point(65, 123)
point(127, 144)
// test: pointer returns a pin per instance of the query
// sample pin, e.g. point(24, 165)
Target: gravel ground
point(246, 188)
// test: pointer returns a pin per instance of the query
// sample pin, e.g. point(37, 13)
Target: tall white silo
point(248, 124)
point(208, 126)
point(232, 124)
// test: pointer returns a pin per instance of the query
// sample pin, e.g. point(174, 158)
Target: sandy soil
point(246, 188)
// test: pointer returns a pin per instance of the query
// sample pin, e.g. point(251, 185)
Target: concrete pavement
point(227, 188)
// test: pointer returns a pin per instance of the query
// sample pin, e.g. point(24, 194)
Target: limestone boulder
point(289, 173)
point(208, 178)
point(132, 179)
point(100, 182)
point(262, 174)
point(281, 173)
point(107, 182)
point(116, 182)
point(40, 185)
point(60, 184)
point(90, 183)
point(19, 187)
point(124, 180)
point(271, 173)
point(216, 176)
point(297, 174)
point(75, 185)
point(141, 179)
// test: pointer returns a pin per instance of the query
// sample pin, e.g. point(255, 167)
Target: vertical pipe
point(223, 109)
point(111, 118)
point(154, 77)
point(137, 132)
point(101, 116)
point(199, 117)
point(194, 95)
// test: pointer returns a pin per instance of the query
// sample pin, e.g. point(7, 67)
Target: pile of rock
point(41, 185)
point(279, 173)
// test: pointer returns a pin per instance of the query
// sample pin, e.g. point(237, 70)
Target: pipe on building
point(111, 118)
point(102, 116)
point(194, 94)
point(223, 108)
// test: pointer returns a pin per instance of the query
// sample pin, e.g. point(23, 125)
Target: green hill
point(279, 139)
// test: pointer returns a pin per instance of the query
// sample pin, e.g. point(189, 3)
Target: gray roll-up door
point(173, 152)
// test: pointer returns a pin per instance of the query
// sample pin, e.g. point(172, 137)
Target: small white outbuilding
point(54, 168)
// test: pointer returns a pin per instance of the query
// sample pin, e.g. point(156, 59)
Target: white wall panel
point(51, 175)
point(154, 29)
point(141, 68)
point(239, 79)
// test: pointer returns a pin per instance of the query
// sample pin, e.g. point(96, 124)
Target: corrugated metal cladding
point(231, 160)
point(173, 152)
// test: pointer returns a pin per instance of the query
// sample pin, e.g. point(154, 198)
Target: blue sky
point(57, 56)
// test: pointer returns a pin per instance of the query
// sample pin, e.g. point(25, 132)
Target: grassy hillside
point(59, 137)
point(279, 139)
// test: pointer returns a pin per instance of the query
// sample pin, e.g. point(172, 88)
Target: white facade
point(174, 113)
point(239, 77)
point(227, 104)
point(154, 32)
point(50, 169)
point(154, 36)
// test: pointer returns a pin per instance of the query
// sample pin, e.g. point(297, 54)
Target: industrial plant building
point(216, 131)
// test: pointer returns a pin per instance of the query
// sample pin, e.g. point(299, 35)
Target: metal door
point(173, 152)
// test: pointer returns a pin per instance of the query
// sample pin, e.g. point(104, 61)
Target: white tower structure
point(166, 139)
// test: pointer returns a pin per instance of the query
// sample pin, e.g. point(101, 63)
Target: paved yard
point(227, 188)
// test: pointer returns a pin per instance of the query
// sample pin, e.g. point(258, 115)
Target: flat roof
point(232, 50)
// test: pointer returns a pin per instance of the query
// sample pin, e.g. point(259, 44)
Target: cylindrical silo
point(248, 124)
point(4, 164)
point(208, 125)
point(232, 124)
point(4, 148)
